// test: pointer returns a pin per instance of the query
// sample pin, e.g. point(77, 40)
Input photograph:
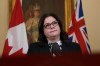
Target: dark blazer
point(39, 48)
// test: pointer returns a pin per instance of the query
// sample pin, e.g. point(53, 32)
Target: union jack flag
point(77, 30)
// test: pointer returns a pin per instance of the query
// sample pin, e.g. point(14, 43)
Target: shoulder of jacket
point(71, 43)
point(34, 44)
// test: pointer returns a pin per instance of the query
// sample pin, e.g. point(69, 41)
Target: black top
point(41, 48)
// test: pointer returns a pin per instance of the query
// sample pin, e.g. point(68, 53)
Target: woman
point(51, 31)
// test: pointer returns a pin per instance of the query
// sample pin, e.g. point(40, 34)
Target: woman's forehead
point(49, 19)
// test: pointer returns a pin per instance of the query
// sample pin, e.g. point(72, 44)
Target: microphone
point(55, 49)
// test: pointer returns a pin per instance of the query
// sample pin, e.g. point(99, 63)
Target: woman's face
point(51, 27)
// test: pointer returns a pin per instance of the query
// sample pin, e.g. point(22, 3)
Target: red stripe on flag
point(7, 48)
point(17, 13)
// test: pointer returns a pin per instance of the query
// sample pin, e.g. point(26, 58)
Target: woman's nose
point(51, 26)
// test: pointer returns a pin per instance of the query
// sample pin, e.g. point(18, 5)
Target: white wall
point(3, 22)
point(91, 10)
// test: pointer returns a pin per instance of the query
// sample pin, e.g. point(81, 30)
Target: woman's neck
point(53, 39)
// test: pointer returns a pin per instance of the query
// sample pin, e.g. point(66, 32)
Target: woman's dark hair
point(42, 37)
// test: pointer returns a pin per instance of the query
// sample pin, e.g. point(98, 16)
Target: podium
point(46, 60)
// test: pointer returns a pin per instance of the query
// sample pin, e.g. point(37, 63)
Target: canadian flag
point(16, 43)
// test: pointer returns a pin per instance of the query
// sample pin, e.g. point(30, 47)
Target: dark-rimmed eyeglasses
point(48, 25)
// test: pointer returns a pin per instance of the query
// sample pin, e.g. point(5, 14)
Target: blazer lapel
point(45, 48)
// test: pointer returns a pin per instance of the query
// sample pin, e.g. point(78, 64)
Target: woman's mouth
point(53, 31)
